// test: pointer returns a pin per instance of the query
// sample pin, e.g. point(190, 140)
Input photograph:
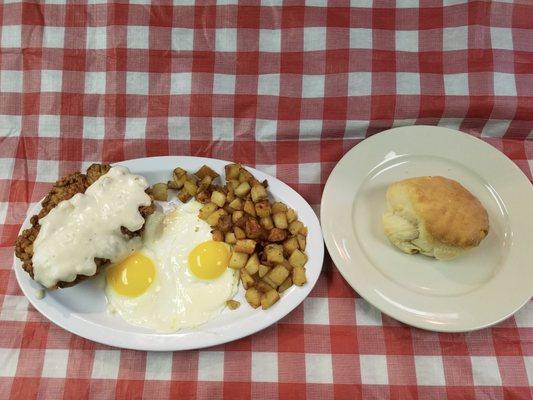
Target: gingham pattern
point(285, 87)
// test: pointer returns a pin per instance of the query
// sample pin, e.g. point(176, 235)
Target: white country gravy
point(88, 226)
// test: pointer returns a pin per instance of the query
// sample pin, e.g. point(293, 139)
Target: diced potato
point(179, 172)
point(263, 270)
point(218, 236)
point(298, 276)
point(238, 260)
point(277, 235)
point(230, 196)
point(258, 193)
point(252, 265)
point(280, 220)
point(253, 297)
point(295, 226)
point(190, 187)
point(279, 207)
point(230, 238)
point(290, 245)
point(262, 208)
point(236, 215)
point(249, 208)
point(274, 253)
point(159, 191)
point(302, 241)
point(239, 233)
point(269, 281)
point(232, 171)
point(245, 246)
point(234, 184)
point(269, 298)
point(207, 210)
point(278, 274)
point(243, 189)
point(245, 176)
point(233, 304)
point(206, 171)
point(224, 223)
point(184, 195)
point(205, 183)
point(252, 228)
point(263, 287)
point(236, 204)
point(303, 230)
point(178, 181)
point(291, 215)
point(173, 185)
point(267, 223)
point(218, 198)
point(287, 265)
point(203, 196)
point(298, 259)
point(212, 220)
point(287, 283)
point(246, 279)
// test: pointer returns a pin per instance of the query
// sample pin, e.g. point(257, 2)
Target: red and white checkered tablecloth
point(287, 87)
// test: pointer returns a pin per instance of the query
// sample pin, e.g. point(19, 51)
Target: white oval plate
point(482, 287)
point(82, 309)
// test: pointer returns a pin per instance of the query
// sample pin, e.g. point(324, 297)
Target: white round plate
point(82, 309)
point(483, 286)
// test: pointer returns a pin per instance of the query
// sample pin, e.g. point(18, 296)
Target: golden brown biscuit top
point(452, 215)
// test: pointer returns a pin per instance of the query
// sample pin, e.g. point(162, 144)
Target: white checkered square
point(180, 83)
point(47, 170)
point(138, 37)
point(360, 38)
point(268, 84)
point(452, 123)
point(179, 128)
point(314, 38)
point(361, 3)
point(485, 371)
point(313, 86)
point(211, 366)
point(407, 40)
point(14, 308)
point(407, 4)
point(182, 39)
point(222, 129)
point(355, 129)
point(456, 84)
point(447, 3)
point(408, 83)
point(310, 173)
point(366, 313)
point(318, 368)
point(226, 39)
point(137, 83)
point(135, 128)
point(429, 371)
point(95, 82)
point(55, 363)
point(10, 36)
point(96, 37)
point(501, 38)
point(9, 359)
point(316, 309)
point(455, 38)
point(3, 212)
point(310, 129)
point(524, 317)
point(10, 125)
point(49, 125)
point(528, 361)
point(94, 127)
point(53, 36)
point(270, 3)
point(158, 365)
point(373, 370)
point(315, 3)
point(270, 40)
point(106, 364)
point(403, 122)
point(10, 81)
point(495, 128)
point(270, 169)
point(359, 83)
point(52, 80)
point(223, 84)
point(504, 84)
point(264, 367)
point(6, 167)
point(265, 130)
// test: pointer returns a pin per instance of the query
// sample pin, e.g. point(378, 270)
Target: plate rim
point(340, 263)
point(155, 341)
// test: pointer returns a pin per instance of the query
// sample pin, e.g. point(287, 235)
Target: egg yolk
point(132, 276)
point(209, 259)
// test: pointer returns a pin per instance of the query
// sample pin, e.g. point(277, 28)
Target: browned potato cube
point(233, 304)
point(245, 176)
point(303, 230)
point(179, 181)
point(236, 215)
point(280, 220)
point(184, 195)
point(212, 220)
point(246, 279)
point(159, 191)
point(224, 223)
point(295, 226)
point(238, 260)
point(204, 183)
point(287, 265)
point(253, 297)
point(206, 171)
point(290, 245)
point(249, 208)
point(245, 246)
point(278, 274)
point(232, 171)
point(274, 253)
point(178, 172)
point(291, 215)
point(269, 298)
point(267, 223)
point(207, 210)
point(243, 189)
point(302, 241)
point(230, 195)
point(218, 236)
point(234, 184)
point(203, 196)
point(239, 233)
point(279, 207)
point(190, 187)
point(252, 266)
point(236, 204)
point(298, 276)
point(263, 287)
point(277, 235)
point(230, 238)
point(263, 270)
point(252, 228)
point(218, 198)
point(297, 258)
point(173, 185)
point(258, 193)
point(262, 208)
point(287, 283)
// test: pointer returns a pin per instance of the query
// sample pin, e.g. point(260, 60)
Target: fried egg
point(178, 278)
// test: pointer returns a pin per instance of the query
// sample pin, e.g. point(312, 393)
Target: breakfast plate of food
point(168, 253)
point(431, 226)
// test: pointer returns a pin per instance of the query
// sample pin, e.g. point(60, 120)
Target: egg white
point(176, 299)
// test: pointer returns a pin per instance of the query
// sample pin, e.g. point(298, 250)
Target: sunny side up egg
point(178, 278)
